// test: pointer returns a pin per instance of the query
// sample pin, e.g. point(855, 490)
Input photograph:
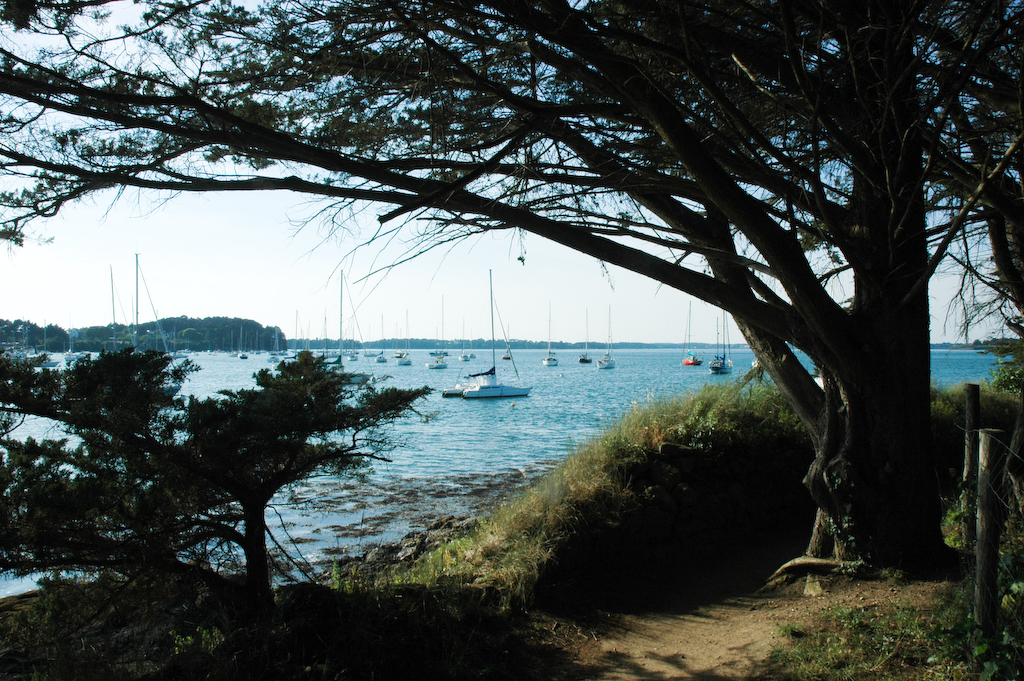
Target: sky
point(243, 255)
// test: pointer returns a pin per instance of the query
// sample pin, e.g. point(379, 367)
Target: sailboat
point(357, 378)
point(71, 356)
point(550, 360)
point(690, 359)
point(487, 382)
point(439, 361)
point(169, 389)
point(241, 343)
point(607, 362)
point(381, 357)
point(49, 362)
point(585, 358)
point(351, 354)
point(465, 356)
point(402, 357)
point(508, 347)
point(721, 364)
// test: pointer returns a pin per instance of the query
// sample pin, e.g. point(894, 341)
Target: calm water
point(468, 450)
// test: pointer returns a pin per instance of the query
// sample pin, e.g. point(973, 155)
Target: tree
point(799, 164)
point(149, 482)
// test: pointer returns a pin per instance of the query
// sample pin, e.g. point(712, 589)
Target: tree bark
point(257, 564)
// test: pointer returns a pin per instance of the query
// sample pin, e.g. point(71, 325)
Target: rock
point(662, 498)
point(685, 495)
point(665, 475)
point(413, 545)
point(671, 450)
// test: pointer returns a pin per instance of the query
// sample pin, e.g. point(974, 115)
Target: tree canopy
point(805, 165)
point(147, 482)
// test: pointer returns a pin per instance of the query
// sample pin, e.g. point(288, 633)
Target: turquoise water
point(466, 452)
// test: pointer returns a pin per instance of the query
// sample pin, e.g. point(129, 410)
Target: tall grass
point(510, 550)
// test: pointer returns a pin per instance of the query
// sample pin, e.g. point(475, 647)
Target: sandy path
point(726, 640)
point(706, 618)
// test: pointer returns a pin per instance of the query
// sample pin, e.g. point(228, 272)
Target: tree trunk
point(873, 475)
point(257, 564)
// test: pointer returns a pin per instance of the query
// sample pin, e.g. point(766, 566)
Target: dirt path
point(709, 620)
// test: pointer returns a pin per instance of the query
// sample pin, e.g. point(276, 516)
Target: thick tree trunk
point(257, 565)
point(873, 474)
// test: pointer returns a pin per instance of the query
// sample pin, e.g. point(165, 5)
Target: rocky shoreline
point(393, 519)
point(409, 548)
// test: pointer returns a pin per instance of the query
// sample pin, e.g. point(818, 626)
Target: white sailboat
point(721, 364)
point(465, 356)
point(402, 357)
point(585, 358)
point(487, 384)
point(71, 356)
point(49, 362)
point(607, 362)
point(351, 354)
point(439, 361)
point(550, 360)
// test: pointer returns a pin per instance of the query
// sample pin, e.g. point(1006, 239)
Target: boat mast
point(113, 314)
point(135, 332)
point(490, 286)
point(341, 316)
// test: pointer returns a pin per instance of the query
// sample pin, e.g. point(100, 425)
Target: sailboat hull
point(720, 365)
point(481, 391)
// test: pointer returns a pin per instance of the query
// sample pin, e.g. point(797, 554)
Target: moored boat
point(608, 362)
point(690, 359)
point(550, 360)
point(722, 364)
point(487, 385)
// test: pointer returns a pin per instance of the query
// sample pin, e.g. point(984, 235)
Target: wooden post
point(991, 456)
point(972, 422)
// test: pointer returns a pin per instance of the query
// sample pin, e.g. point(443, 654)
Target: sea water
point(456, 456)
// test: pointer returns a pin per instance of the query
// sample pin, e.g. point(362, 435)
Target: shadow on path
point(649, 603)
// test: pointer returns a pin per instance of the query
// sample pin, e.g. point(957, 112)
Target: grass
point(507, 555)
point(890, 640)
point(453, 614)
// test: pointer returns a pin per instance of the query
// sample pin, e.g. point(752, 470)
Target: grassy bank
point(671, 477)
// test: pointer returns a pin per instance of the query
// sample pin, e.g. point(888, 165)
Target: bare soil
point(711, 618)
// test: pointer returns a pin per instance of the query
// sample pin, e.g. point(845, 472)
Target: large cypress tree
point(800, 164)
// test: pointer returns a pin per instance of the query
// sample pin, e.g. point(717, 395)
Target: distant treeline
point(230, 334)
point(181, 333)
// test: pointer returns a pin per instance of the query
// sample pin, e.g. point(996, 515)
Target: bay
point(460, 456)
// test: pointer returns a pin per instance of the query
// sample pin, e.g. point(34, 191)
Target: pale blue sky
point(241, 256)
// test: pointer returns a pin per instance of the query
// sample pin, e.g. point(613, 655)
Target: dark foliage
point(148, 482)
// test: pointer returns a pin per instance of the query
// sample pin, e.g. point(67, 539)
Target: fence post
point(972, 421)
point(991, 456)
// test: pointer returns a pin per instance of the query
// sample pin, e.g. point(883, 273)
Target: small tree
point(151, 482)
